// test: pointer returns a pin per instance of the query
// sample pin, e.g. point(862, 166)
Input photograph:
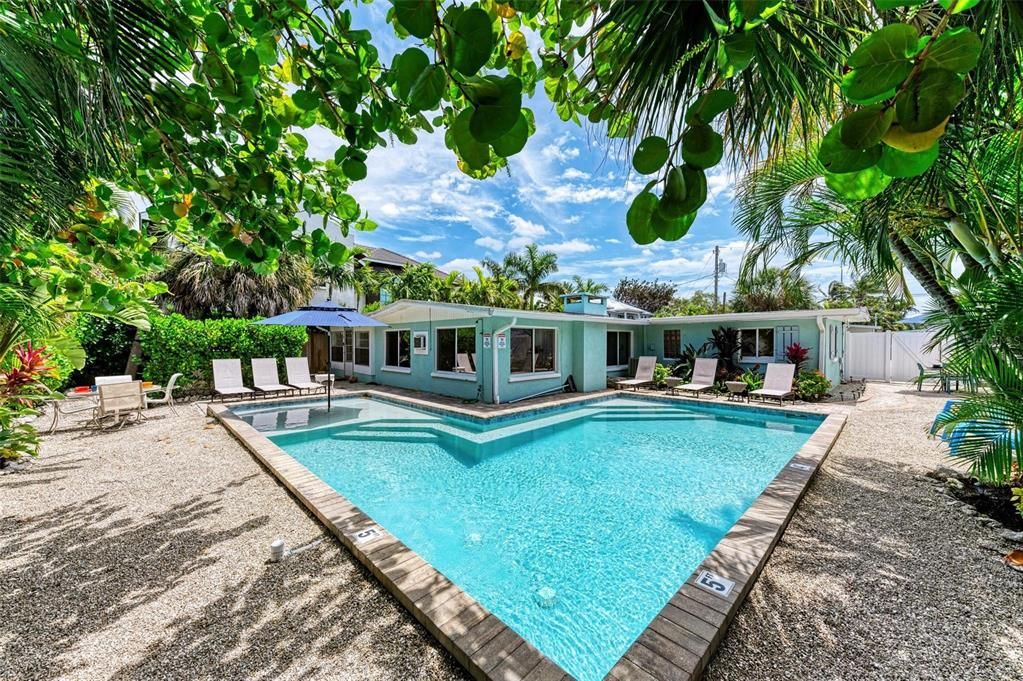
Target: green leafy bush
point(176, 344)
point(107, 345)
point(812, 386)
point(661, 374)
point(752, 379)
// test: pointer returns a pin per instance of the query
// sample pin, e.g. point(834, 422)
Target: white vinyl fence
point(888, 355)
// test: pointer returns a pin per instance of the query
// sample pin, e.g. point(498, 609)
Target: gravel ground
point(141, 553)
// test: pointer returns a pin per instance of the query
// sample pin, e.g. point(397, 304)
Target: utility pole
point(717, 274)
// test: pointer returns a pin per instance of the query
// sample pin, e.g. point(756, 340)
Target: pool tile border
point(677, 644)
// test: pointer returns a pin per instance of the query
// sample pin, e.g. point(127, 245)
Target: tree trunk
point(923, 274)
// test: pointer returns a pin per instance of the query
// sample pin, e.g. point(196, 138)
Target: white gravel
point(141, 554)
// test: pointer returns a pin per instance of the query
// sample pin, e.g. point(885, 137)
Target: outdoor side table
point(737, 390)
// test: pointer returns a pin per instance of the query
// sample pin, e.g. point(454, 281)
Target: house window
point(456, 349)
point(757, 343)
point(385, 296)
point(672, 343)
point(619, 348)
point(337, 353)
point(398, 345)
point(532, 350)
point(362, 348)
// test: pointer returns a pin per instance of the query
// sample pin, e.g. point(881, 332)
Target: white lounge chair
point(777, 383)
point(299, 377)
point(227, 378)
point(463, 363)
point(704, 372)
point(120, 400)
point(644, 374)
point(265, 377)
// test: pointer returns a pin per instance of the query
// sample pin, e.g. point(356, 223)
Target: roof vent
point(584, 303)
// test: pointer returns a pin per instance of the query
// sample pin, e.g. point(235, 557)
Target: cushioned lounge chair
point(227, 378)
point(703, 377)
point(644, 374)
point(298, 374)
point(777, 383)
point(265, 377)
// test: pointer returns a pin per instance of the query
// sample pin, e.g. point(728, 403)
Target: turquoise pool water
point(574, 527)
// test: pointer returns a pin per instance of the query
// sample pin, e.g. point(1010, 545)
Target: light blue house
point(500, 355)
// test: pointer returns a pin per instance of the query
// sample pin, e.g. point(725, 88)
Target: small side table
point(737, 390)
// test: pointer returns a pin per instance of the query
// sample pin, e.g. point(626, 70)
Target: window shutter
point(784, 336)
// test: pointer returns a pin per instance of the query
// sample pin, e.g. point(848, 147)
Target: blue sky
point(567, 191)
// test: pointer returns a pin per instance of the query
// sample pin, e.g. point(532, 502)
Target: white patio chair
point(777, 383)
point(644, 374)
point(704, 373)
point(299, 377)
point(110, 380)
point(227, 378)
point(265, 377)
point(120, 400)
point(168, 394)
point(463, 363)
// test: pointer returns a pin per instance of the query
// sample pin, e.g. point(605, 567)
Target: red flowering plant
point(797, 354)
point(20, 389)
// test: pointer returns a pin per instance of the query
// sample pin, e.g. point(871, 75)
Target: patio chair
point(777, 383)
point(703, 377)
point(120, 400)
point(110, 380)
point(168, 394)
point(265, 377)
point(644, 374)
point(299, 377)
point(227, 378)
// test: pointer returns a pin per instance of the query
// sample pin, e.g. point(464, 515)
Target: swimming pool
point(573, 526)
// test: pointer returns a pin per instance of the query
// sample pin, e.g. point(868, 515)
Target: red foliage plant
point(29, 368)
point(797, 354)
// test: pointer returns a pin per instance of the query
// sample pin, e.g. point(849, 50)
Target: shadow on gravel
point(874, 568)
point(77, 571)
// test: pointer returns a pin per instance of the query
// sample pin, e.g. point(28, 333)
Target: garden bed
point(993, 502)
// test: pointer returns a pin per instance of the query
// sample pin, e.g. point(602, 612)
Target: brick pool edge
point(677, 644)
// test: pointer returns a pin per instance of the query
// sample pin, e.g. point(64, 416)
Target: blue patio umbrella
point(323, 317)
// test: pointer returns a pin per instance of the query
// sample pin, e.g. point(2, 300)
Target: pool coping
point(677, 644)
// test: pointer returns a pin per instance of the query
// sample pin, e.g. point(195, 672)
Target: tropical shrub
point(752, 379)
point(175, 344)
point(797, 354)
point(107, 344)
point(812, 386)
point(724, 346)
point(684, 365)
point(661, 374)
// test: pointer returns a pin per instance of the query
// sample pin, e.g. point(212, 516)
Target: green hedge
point(176, 344)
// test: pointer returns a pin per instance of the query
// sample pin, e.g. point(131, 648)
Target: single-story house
point(500, 355)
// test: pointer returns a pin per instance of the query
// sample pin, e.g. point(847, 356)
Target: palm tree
point(350, 273)
point(489, 291)
point(533, 268)
point(413, 282)
point(773, 289)
point(205, 289)
point(580, 285)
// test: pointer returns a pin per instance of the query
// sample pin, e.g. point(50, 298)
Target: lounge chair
point(299, 377)
point(644, 374)
point(703, 377)
point(227, 378)
point(265, 377)
point(120, 400)
point(463, 363)
point(777, 383)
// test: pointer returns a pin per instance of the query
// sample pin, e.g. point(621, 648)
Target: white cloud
point(489, 243)
point(422, 238)
point(559, 151)
point(459, 265)
point(570, 247)
point(428, 255)
point(526, 228)
point(612, 241)
point(573, 193)
point(575, 174)
point(390, 209)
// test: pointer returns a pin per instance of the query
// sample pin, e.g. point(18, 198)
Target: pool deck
point(676, 645)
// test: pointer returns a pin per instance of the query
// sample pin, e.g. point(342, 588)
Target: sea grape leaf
point(880, 63)
point(956, 49)
point(708, 105)
point(425, 93)
point(837, 157)
point(929, 99)
point(864, 128)
point(913, 142)
point(696, 188)
point(512, 142)
point(899, 163)
point(498, 106)
point(476, 154)
point(859, 185)
point(672, 229)
point(408, 66)
point(650, 155)
point(638, 217)
point(415, 16)
point(473, 41)
point(671, 204)
point(702, 146)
